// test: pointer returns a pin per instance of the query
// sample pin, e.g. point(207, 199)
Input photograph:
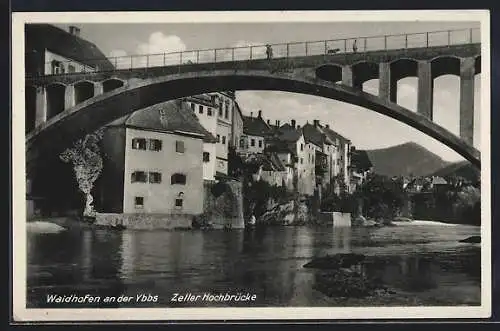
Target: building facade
point(154, 162)
point(217, 113)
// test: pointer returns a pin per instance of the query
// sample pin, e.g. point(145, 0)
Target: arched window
point(178, 179)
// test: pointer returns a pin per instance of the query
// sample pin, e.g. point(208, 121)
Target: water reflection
point(267, 262)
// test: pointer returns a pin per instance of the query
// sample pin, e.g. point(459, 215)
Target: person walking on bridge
point(269, 52)
point(355, 46)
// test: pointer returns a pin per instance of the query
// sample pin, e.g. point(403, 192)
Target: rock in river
point(335, 261)
point(472, 240)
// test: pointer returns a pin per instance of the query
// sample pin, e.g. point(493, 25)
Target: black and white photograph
point(251, 165)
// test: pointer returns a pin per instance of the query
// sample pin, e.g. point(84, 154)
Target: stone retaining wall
point(335, 218)
point(145, 221)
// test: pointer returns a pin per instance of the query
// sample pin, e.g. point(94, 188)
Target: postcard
point(192, 166)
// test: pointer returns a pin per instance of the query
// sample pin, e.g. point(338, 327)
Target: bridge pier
point(425, 89)
point(41, 105)
point(98, 88)
point(69, 97)
point(347, 77)
point(388, 84)
point(467, 72)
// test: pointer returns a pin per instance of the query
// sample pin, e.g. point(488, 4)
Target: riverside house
point(153, 162)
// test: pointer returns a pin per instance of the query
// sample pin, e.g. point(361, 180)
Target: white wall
point(223, 130)
point(255, 148)
point(209, 167)
point(160, 198)
point(79, 67)
point(209, 122)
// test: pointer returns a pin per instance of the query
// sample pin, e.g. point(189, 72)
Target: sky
point(365, 128)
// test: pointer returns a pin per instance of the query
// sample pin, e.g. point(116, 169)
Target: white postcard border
point(21, 313)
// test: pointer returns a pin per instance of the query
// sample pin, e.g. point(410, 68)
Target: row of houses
point(306, 157)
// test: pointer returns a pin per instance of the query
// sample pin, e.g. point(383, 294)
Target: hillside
point(459, 169)
point(405, 159)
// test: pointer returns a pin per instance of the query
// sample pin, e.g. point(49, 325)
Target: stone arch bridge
point(63, 107)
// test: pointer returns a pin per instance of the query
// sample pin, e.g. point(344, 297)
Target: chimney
point(75, 31)
point(316, 123)
point(268, 122)
point(278, 123)
point(293, 124)
point(260, 114)
point(298, 127)
point(327, 126)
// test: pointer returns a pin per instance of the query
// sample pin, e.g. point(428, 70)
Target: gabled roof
point(276, 162)
point(288, 133)
point(334, 135)
point(255, 126)
point(313, 135)
point(269, 162)
point(46, 36)
point(171, 117)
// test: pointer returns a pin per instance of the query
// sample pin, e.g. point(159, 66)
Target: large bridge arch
point(102, 109)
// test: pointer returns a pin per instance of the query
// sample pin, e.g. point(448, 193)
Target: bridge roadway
point(284, 63)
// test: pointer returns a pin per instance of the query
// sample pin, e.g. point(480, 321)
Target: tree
point(381, 197)
point(85, 156)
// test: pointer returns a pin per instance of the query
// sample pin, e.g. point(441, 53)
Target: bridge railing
point(256, 52)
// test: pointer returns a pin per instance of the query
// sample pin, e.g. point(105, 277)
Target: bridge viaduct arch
point(101, 109)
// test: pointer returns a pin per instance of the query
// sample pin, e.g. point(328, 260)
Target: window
point(221, 105)
point(260, 143)
point(242, 143)
point(301, 160)
point(218, 138)
point(192, 106)
point(178, 179)
point(155, 177)
point(178, 203)
point(313, 159)
point(155, 145)
point(179, 200)
point(200, 109)
point(213, 98)
point(71, 68)
point(57, 67)
point(139, 202)
point(223, 140)
point(309, 157)
point(252, 142)
point(226, 114)
point(179, 146)
point(301, 147)
point(139, 176)
point(139, 143)
point(209, 111)
point(206, 157)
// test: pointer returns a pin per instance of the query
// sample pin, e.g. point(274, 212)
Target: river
point(422, 261)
